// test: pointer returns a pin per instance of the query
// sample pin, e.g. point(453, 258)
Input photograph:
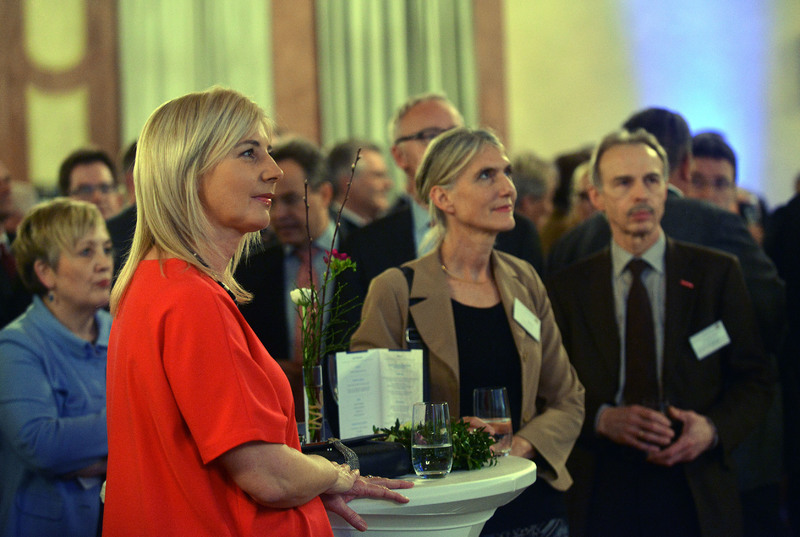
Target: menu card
point(377, 387)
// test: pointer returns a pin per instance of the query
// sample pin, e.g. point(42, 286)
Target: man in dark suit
point(14, 298)
point(396, 238)
point(688, 220)
point(782, 243)
point(663, 336)
point(273, 272)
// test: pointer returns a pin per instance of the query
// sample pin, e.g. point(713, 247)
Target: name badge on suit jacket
point(527, 320)
point(709, 340)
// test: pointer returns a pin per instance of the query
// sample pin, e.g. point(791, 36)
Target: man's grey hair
point(625, 137)
point(410, 103)
point(533, 175)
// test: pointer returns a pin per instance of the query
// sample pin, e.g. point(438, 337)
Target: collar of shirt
point(323, 242)
point(348, 214)
point(71, 344)
point(654, 256)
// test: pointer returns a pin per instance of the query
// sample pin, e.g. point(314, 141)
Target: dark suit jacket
point(782, 243)
point(389, 242)
point(14, 298)
point(262, 274)
point(733, 386)
point(696, 222)
point(121, 228)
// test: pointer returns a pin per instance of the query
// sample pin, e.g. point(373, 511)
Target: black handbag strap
point(413, 339)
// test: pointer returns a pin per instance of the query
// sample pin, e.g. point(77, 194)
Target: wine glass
point(491, 405)
point(431, 443)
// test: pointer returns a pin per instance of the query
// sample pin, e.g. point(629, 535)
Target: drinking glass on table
point(431, 443)
point(491, 405)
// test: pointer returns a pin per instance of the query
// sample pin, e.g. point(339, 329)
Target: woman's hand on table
point(519, 446)
point(476, 423)
point(335, 499)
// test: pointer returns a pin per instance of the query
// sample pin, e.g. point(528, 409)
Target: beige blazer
point(547, 375)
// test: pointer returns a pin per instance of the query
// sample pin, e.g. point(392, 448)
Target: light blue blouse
point(52, 423)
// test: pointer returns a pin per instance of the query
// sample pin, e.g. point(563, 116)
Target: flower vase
point(314, 404)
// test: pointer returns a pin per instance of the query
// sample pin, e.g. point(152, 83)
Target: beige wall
point(568, 74)
point(783, 134)
point(58, 84)
point(570, 81)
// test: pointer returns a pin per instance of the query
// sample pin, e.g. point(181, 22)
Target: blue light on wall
point(707, 60)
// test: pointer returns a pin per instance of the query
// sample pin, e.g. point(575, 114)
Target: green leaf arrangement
point(472, 450)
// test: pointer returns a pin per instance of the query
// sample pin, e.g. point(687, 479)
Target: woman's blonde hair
point(444, 160)
point(184, 139)
point(47, 230)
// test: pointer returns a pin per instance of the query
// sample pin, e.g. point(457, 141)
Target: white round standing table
point(457, 505)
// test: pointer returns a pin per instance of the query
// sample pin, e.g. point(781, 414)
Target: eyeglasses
point(716, 183)
point(86, 191)
point(425, 135)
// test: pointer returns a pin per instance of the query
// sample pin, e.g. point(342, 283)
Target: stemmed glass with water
point(491, 405)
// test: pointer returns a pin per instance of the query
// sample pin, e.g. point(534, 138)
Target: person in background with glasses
point(90, 175)
point(396, 238)
point(714, 179)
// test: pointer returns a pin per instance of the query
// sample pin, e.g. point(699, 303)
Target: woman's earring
point(50, 296)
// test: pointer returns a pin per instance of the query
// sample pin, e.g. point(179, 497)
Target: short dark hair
point(669, 128)
point(713, 145)
point(80, 157)
point(341, 157)
point(307, 155)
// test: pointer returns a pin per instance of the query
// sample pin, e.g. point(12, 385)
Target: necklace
point(222, 284)
point(458, 278)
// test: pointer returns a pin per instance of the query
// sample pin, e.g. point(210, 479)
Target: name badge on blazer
point(709, 340)
point(527, 320)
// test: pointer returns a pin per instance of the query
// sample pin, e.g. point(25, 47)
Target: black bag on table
point(370, 454)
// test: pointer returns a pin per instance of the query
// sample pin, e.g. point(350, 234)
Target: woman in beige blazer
point(485, 319)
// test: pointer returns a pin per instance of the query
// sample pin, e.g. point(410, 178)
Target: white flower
point(301, 296)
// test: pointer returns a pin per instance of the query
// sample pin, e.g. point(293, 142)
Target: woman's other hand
point(476, 423)
point(362, 487)
point(522, 448)
point(96, 469)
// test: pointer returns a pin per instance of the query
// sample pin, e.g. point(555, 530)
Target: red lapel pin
point(687, 284)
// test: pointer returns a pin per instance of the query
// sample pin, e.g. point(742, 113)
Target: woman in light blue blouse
point(53, 443)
